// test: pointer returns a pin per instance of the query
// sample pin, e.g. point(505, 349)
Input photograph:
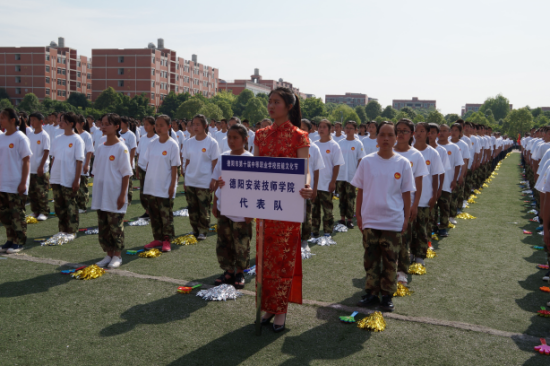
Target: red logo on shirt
point(38, 142)
point(70, 145)
point(397, 175)
point(377, 146)
point(411, 162)
point(353, 148)
point(10, 146)
point(204, 150)
point(164, 152)
point(428, 162)
point(449, 152)
point(112, 157)
point(328, 151)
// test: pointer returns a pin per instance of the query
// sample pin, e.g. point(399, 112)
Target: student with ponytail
point(83, 130)
point(40, 165)
point(15, 154)
point(129, 138)
point(148, 137)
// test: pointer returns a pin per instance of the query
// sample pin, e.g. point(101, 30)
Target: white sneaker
point(70, 236)
point(105, 261)
point(115, 262)
point(201, 237)
point(453, 220)
point(81, 211)
point(41, 217)
point(420, 261)
point(402, 277)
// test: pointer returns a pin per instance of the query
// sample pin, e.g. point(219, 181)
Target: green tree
point(409, 112)
point(519, 121)
point(451, 118)
point(108, 100)
point(535, 112)
point(5, 103)
point(330, 107)
point(30, 103)
point(389, 113)
point(96, 113)
point(540, 121)
point(312, 107)
point(373, 110)
point(499, 106)
point(418, 118)
point(138, 107)
point(490, 117)
point(264, 99)
point(478, 118)
point(211, 111)
point(255, 111)
point(171, 103)
point(225, 95)
point(436, 117)
point(225, 106)
point(360, 111)
point(4, 94)
point(380, 119)
point(189, 108)
point(316, 119)
point(241, 102)
point(78, 100)
point(467, 115)
point(49, 106)
point(344, 113)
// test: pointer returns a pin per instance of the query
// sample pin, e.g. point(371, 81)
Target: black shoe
point(341, 222)
point(279, 328)
point(443, 232)
point(144, 216)
point(386, 303)
point(224, 279)
point(369, 301)
point(266, 321)
point(6, 246)
point(315, 235)
point(350, 225)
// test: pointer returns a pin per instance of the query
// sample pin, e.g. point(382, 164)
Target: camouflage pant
point(307, 224)
point(111, 231)
point(324, 200)
point(161, 217)
point(83, 193)
point(143, 197)
point(38, 193)
point(12, 216)
point(66, 209)
point(199, 201)
point(468, 185)
point(130, 188)
point(347, 197)
point(456, 194)
point(233, 245)
point(420, 234)
point(381, 249)
point(444, 207)
point(403, 255)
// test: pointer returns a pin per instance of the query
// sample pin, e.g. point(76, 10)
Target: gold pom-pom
point(151, 253)
point(451, 226)
point(31, 220)
point(374, 322)
point(431, 253)
point(89, 273)
point(485, 185)
point(335, 197)
point(471, 201)
point(185, 240)
point(90, 184)
point(213, 228)
point(402, 291)
point(465, 216)
point(477, 191)
point(417, 269)
point(434, 236)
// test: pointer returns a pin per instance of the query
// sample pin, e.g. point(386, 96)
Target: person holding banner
point(281, 257)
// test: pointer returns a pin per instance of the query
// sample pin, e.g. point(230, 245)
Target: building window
point(63, 71)
point(63, 82)
point(78, 63)
point(47, 57)
point(78, 74)
point(152, 84)
point(121, 83)
point(47, 91)
point(89, 76)
point(17, 57)
point(121, 59)
point(89, 86)
point(152, 95)
point(64, 61)
point(47, 68)
point(176, 89)
point(121, 71)
point(17, 90)
point(88, 96)
point(152, 59)
point(78, 85)
point(17, 68)
point(18, 79)
point(47, 80)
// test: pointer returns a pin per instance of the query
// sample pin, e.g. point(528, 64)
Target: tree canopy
point(436, 117)
point(189, 108)
point(78, 100)
point(241, 101)
point(373, 110)
point(389, 113)
point(108, 99)
point(30, 103)
point(313, 107)
point(255, 110)
point(518, 121)
point(171, 103)
point(360, 111)
point(499, 106)
point(344, 113)
point(211, 111)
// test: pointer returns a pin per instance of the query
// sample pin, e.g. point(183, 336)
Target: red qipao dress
point(282, 281)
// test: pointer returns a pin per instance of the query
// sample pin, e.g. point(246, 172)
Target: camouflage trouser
point(91, 165)
point(66, 209)
point(307, 224)
point(454, 200)
point(380, 246)
point(161, 217)
point(83, 193)
point(403, 254)
point(433, 220)
point(143, 197)
point(324, 200)
point(420, 237)
point(12, 215)
point(468, 185)
point(233, 245)
point(199, 201)
point(111, 231)
point(347, 197)
point(38, 193)
point(130, 188)
point(444, 206)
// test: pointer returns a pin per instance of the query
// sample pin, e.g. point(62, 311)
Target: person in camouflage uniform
point(307, 224)
point(455, 199)
point(12, 216)
point(444, 206)
point(66, 209)
point(130, 188)
point(83, 193)
point(199, 201)
point(38, 193)
point(381, 247)
point(420, 238)
point(161, 217)
point(143, 197)
point(326, 203)
point(347, 198)
point(233, 245)
point(403, 252)
point(111, 231)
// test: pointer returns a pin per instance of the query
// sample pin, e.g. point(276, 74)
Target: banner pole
point(259, 277)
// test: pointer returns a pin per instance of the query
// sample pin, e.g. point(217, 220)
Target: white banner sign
point(263, 187)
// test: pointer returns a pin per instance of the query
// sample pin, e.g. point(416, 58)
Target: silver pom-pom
point(223, 292)
point(183, 212)
point(91, 231)
point(527, 192)
point(139, 222)
point(323, 241)
point(305, 253)
point(340, 228)
point(251, 271)
point(58, 239)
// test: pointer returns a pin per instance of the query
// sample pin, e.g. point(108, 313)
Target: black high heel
point(279, 328)
point(266, 321)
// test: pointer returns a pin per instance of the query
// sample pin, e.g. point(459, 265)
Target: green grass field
point(485, 275)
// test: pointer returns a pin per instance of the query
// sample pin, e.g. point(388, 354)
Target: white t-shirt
point(181, 139)
point(216, 173)
point(93, 129)
point(88, 147)
point(370, 145)
point(250, 140)
point(464, 148)
point(142, 131)
point(39, 142)
point(186, 133)
point(418, 166)
point(223, 146)
point(219, 136)
point(383, 181)
point(200, 155)
point(111, 164)
point(142, 148)
point(13, 149)
point(337, 139)
point(49, 129)
point(544, 159)
point(314, 136)
point(129, 139)
point(541, 149)
point(315, 162)
point(96, 136)
point(67, 150)
point(160, 158)
point(542, 183)
point(454, 156)
point(443, 157)
point(352, 151)
point(434, 167)
point(331, 154)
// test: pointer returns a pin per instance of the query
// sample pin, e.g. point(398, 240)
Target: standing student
point(332, 159)
point(434, 131)
point(315, 163)
point(68, 154)
point(162, 159)
point(40, 168)
point(338, 135)
point(233, 245)
point(15, 154)
point(201, 154)
point(456, 203)
point(221, 135)
point(129, 139)
point(385, 182)
point(84, 132)
point(352, 151)
point(370, 142)
point(363, 132)
point(404, 132)
point(113, 170)
point(148, 137)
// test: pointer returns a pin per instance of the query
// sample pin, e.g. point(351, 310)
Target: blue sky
point(454, 52)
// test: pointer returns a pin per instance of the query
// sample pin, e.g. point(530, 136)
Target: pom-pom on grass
point(417, 269)
point(348, 319)
point(185, 240)
point(434, 236)
point(451, 226)
point(402, 291)
point(477, 191)
point(89, 273)
point(484, 185)
point(431, 254)
point(31, 220)
point(152, 253)
point(213, 228)
point(373, 322)
point(465, 216)
point(335, 198)
point(543, 312)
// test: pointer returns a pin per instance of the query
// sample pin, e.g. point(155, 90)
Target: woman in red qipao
point(282, 274)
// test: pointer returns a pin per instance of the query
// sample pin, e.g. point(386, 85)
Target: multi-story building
point(155, 71)
point(475, 107)
point(51, 72)
point(414, 103)
point(257, 85)
point(350, 99)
